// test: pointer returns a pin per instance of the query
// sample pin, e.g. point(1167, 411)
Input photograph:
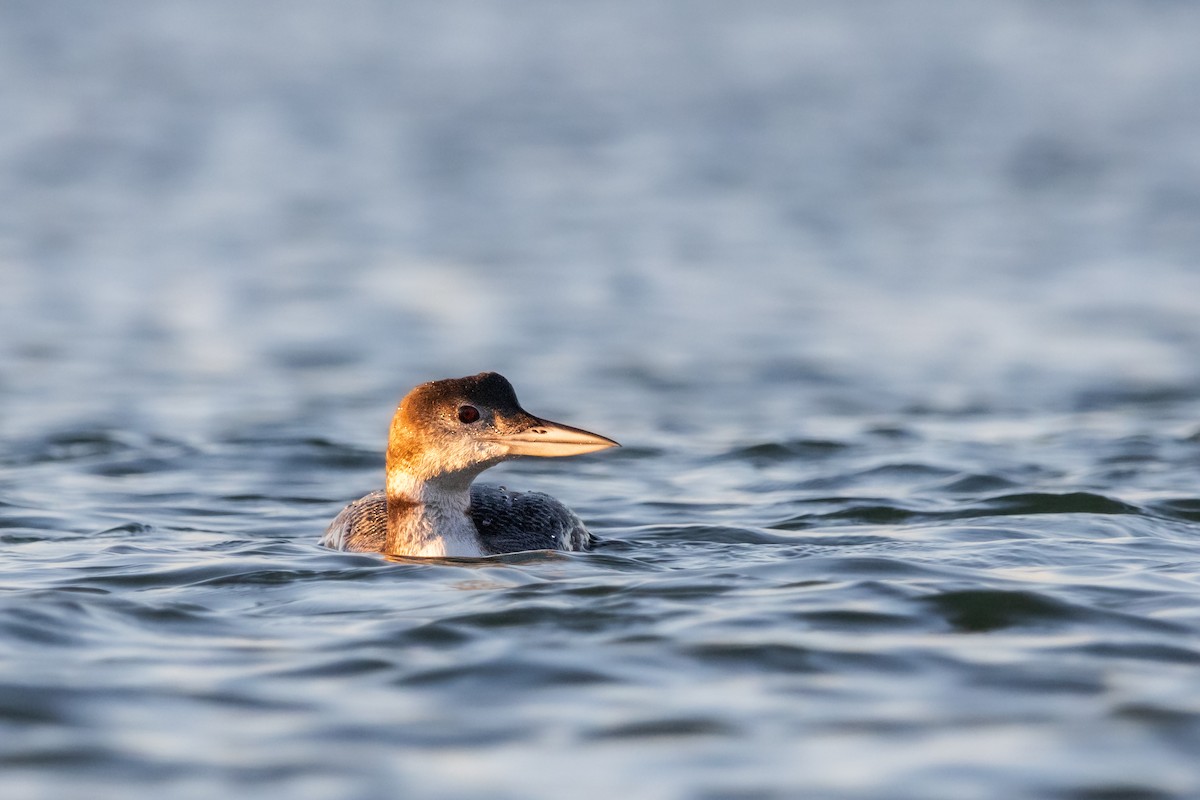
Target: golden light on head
point(443, 435)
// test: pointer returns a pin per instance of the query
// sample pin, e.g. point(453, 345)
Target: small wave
point(725, 534)
point(775, 452)
point(977, 484)
point(666, 728)
point(106, 447)
point(1185, 508)
point(754, 656)
point(861, 511)
point(128, 527)
point(1035, 503)
point(983, 610)
point(507, 674)
point(32, 519)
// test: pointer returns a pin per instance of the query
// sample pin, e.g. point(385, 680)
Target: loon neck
point(429, 518)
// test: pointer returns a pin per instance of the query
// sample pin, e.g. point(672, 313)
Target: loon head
point(447, 432)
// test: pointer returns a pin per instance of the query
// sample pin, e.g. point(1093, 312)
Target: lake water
point(894, 307)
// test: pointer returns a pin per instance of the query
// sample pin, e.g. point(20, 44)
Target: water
point(895, 308)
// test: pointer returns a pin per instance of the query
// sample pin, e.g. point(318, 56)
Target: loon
point(445, 433)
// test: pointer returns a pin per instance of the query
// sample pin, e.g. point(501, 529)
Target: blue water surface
point(895, 308)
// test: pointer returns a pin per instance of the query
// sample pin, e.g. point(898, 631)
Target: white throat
point(439, 524)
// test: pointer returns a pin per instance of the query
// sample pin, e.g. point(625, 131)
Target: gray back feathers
point(511, 522)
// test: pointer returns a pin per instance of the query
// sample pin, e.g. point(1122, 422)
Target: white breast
point(448, 535)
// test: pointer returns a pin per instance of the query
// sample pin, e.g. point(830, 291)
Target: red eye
point(468, 414)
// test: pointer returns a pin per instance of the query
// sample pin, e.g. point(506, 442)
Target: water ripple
point(893, 307)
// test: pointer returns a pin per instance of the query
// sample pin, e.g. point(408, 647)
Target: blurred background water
point(895, 306)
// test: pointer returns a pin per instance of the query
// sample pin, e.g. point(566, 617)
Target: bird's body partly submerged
point(444, 434)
